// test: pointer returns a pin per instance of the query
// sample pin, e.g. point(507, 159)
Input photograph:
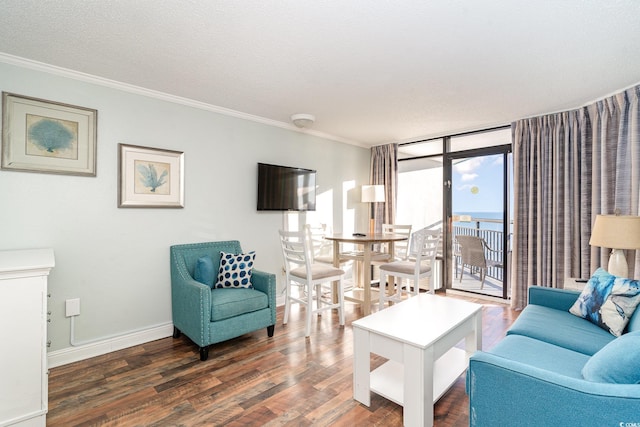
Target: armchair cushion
point(235, 270)
point(618, 362)
point(204, 271)
point(229, 302)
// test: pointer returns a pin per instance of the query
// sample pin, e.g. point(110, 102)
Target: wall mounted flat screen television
point(284, 188)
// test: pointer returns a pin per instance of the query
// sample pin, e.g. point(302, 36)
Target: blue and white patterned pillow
point(608, 301)
point(235, 270)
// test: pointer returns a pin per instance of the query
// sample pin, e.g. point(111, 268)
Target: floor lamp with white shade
point(372, 194)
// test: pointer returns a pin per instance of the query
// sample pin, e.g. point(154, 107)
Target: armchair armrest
point(266, 282)
point(489, 248)
point(506, 392)
point(560, 299)
point(190, 300)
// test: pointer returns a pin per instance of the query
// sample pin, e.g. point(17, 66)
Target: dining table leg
point(391, 280)
point(366, 265)
point(336, 264)
point(363, 279)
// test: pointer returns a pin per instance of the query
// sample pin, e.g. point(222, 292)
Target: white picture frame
point(150, 177)
point(48, 137)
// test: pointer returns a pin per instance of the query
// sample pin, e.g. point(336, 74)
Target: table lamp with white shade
point(616, 232)
point(372, 194)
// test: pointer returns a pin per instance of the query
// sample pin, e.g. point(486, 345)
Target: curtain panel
point(384, 171)
point(568, 168)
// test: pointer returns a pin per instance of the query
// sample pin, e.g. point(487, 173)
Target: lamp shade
point(372, 193)
point(616, 232)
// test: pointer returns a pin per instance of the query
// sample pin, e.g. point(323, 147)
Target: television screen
point(283, 188)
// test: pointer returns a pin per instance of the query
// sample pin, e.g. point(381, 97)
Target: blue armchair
point(208, 316)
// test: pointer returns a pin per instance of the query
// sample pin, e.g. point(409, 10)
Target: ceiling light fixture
point(303, 120)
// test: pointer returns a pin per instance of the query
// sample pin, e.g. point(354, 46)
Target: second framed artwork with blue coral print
point(47, 136)
point(150, 177)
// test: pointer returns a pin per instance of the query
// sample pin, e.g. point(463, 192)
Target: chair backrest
point(318, 245)
point(472, 250)
point(295, 250)
point(184, 257)
point(424, 245)
point(400, 248)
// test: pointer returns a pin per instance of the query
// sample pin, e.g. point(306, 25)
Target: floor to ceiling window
point(460, 184)
point(420, 183)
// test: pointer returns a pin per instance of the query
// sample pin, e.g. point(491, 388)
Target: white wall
point(117, 260)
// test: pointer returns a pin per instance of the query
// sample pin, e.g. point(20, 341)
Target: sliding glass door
point(479, 223)
point(461, 185)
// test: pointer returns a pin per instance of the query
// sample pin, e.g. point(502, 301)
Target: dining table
point(367, 241)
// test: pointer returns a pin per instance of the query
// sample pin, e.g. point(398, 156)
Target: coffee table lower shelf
point(388, 380)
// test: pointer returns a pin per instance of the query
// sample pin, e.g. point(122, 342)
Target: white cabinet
point(23, 336)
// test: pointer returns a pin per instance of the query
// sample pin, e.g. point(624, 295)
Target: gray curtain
point(568, 168)
point(384, 171)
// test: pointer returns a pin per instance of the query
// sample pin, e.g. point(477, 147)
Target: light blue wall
point(117, 260)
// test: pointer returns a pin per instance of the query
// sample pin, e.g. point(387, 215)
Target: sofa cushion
point(561, 328)
point(618, 362)
point(542, 355)
point(229, 302)
point(634, 322)
point(608, 301)
point(205, 272)
point(235, 270)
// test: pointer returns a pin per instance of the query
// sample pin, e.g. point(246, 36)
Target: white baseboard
point(81, 352)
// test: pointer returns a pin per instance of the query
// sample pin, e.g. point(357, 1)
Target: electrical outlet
point(72, 307)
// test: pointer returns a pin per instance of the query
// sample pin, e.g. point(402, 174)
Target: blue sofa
point(535, 377)
point(208, 316)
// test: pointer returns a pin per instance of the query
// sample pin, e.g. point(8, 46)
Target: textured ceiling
point(371, 71)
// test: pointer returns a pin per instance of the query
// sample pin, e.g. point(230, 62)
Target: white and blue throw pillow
point(235, 270)
point(608, 301)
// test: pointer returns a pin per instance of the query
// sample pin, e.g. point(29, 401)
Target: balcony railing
point(493, 238)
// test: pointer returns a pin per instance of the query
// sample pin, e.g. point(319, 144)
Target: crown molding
point(138, 90)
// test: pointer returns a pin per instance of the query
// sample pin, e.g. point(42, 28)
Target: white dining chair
point(382, 255)
point(419, 264)
point(312, 281)
point(400, 248)
point(321, 249)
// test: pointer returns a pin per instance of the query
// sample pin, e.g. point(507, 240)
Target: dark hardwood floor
point(252, 380)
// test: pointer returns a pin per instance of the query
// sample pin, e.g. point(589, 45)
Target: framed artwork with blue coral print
point(48, 137)
point(150, 177)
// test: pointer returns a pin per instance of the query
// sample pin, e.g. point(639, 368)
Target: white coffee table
point(418, 334)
